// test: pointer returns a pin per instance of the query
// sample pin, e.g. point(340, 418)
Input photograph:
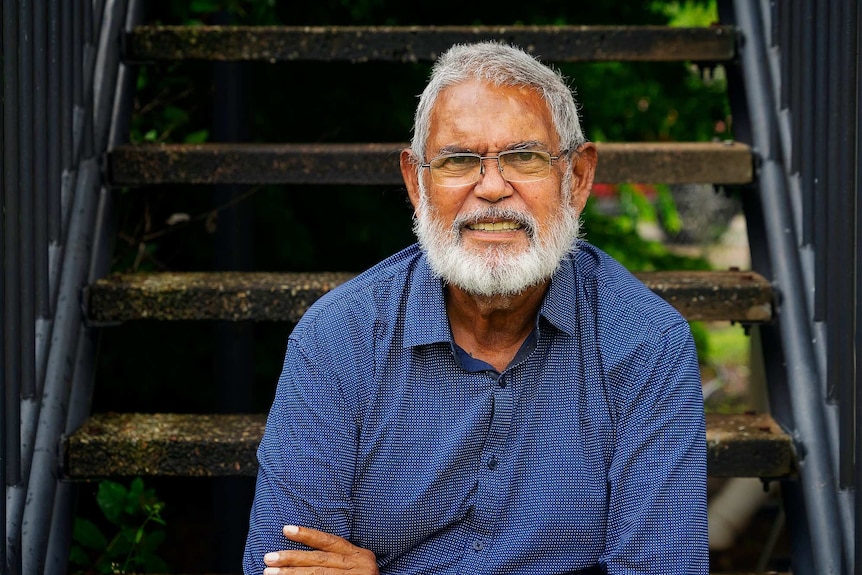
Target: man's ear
point(410, 175)
point(583, 166)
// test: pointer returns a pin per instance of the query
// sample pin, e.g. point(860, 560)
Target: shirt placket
point(494, 475)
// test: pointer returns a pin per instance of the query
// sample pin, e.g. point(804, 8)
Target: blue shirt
point(587, 452)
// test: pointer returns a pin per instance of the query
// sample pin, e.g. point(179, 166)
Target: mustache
point(524, 219)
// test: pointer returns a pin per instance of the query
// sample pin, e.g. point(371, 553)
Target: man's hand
point(331, 555)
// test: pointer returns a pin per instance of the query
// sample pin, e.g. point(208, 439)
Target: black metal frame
point(61, 88)
point(797, 58)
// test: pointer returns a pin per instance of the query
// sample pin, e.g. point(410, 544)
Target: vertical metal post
point(857, 344)
point(3, 566)
point(77, 67)
point(66, 96)
point(11, 283)
point(833, 247)
point(822, 175)
point(40, 160)
point(806, 144)
point(89, 57)
point(857, 379)
point(843, 229)
point(25, 188)
point(793, 53)
point(816, 474)
point(54, 120)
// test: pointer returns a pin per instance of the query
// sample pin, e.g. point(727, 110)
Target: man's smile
point(505, 226)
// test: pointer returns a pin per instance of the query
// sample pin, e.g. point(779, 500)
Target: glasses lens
point(455, 169)
point(525, 165)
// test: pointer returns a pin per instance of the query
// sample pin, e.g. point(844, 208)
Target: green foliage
point(618, 236)
point(688, 12)
point(131, 515)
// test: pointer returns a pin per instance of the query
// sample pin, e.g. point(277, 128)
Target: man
point(500, 398)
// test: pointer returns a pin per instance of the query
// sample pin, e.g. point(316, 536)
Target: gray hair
point(501, 65)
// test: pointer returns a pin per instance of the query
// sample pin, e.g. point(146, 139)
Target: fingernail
point(270, 557)
point(291, 529)
point(271, 571)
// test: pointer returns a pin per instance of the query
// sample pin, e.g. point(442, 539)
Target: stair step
point(425, 43)
point(377, 163)
point(132, 444)
point(711, 573)
point(740, 296)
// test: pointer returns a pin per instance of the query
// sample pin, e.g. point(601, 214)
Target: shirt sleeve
point(305, 459)
point(657, 478)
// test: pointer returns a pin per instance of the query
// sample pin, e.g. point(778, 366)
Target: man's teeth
point(495, 226)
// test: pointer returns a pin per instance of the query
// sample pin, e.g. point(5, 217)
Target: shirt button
point(478, 545)
point(501, 382)
point(492, 463)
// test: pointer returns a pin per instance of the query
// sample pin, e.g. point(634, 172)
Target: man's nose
point(492, 186)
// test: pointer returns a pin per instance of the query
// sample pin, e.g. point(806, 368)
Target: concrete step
point(377, 163)
point(740, 296)
point(424, 43)
point(177, 445)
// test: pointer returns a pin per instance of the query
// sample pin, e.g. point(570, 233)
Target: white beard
point(495, 271)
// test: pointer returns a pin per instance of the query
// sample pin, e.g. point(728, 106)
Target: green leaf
point(77, 556)
point(204, 6)
point(175, 115)
point(85, 533)
point(112, 500)
point(133, 499)
point(198, 137)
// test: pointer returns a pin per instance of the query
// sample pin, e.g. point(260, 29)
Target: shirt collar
point(426, 321)
point(560, 303)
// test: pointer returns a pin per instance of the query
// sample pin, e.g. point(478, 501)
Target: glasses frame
point(481, 158)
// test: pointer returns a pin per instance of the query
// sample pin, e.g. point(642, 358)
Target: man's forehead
point(476, 115)
point(482, 86)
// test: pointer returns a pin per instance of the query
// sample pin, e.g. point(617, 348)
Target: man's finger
point(319, 540)
point(306, 559)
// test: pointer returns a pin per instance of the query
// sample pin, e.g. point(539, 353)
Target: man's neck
point(493, 328)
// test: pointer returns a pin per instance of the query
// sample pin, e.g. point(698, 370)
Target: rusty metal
point(130, 444)
point(377, 163)
point(425, 43)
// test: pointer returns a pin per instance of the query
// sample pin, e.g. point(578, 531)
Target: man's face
point(495, 237)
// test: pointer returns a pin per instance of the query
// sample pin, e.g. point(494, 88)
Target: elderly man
point(501, 398)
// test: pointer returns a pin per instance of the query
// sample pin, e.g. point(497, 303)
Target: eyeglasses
point(462, 169)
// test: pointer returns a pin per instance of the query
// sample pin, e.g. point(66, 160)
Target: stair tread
point(742, 296)
point(169, 444)
point(425, 43)
point(377, 163)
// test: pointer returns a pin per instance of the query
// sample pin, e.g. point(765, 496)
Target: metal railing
point(63, 84)
point(799, 110)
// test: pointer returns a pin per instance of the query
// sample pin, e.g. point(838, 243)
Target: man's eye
point(523, 157)
point(460, 160)
point(457, 162)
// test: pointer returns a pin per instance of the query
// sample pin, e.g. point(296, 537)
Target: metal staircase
point(59, 179)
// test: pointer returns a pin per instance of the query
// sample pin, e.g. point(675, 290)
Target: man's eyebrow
point(528, 145)
point(453, 150)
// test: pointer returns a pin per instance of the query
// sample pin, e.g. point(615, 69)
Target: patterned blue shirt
point(587, 454)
